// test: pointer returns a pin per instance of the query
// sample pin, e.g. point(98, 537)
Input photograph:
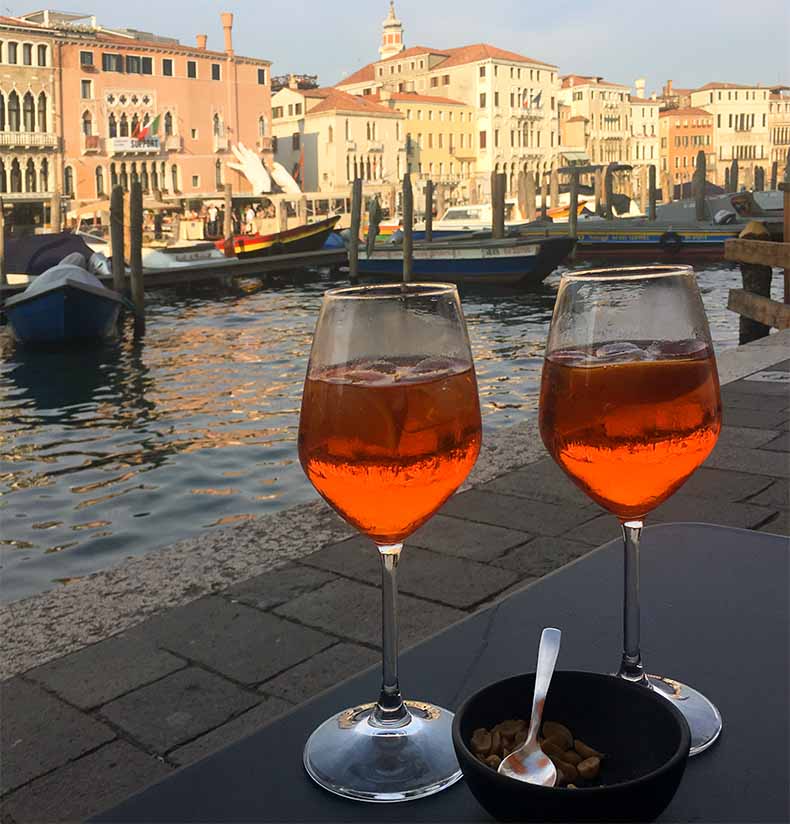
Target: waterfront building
point(30, 149)
point(779, 127)
point(140, 106)
point(645, 149)
point(683, 133)
point(740, 128)
point(513, 99)
point(606, 111)
point(325, 138)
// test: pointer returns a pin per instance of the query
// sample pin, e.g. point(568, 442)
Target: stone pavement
point(82, 732)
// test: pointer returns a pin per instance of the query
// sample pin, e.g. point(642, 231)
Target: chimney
point(639, 85)
point(227, 27)
point(201, 39)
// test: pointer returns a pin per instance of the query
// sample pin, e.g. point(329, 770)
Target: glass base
point(703, 718)
point(350, 756)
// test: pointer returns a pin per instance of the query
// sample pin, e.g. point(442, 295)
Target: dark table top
point(714, 614)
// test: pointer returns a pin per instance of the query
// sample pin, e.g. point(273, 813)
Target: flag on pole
point(148, 130)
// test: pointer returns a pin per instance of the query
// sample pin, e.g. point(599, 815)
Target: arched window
point(13, 112)
point(113, 175)
point(168, 124)
point(154, 177)
point(68, 181)
point(44, 175)
point(331, 135)
point(112, 126)
point(216, 125)
point(11, 54)
point(218, 174)
point(174, 176)
point(3, 179)
point(262, 126)
point(2, 112)
point(27, 54)
point(16, 176)
point(124, 178)
point(144, 176)
point(30, 176)
point(163, 175)
point(28, 113)
point(42, 55)
point(42, 112)
point(123, 126)
point(87, 123)
point(135, 125)
point(135, 177)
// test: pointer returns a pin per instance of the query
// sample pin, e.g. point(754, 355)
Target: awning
point(576, 156)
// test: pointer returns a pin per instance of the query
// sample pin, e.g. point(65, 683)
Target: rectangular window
point(482, 100)
point(133, 64)
point(496, 138)
point(430, 140)
point(482, 71)
point(277, 111)
point(496, 98)
point(167, 67)
point(297, 108)
point(86, 90)
point(441, 140)
point(195, 181)
point(295, 140)
point(434, 82)
point(111, 62)
point(27, 54)
point(192, 69)
point(147, 65)
point(86, 58)
point(446, 80)
point(194, 133)
point(215, 71)
point(42, 55)
point(11, 53)
point(482, 140)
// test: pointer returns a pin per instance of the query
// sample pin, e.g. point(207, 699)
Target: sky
point(691, 42)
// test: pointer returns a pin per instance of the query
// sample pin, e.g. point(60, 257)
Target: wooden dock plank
point(763, 310)
point(762, 252)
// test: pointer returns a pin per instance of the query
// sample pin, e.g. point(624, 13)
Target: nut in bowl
point(643, 738)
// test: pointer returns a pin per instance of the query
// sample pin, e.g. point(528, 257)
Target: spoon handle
point(547, 657)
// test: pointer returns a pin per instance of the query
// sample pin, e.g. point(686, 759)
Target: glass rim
point(374, 291)
point(626, 273)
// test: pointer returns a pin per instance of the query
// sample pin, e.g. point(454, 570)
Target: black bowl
point(645, 738)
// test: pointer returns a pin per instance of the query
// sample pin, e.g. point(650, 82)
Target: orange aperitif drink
point(386, 442)
point(629, 432)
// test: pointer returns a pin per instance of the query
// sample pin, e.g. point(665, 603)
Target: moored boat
point(308, 237)
point(506, 262)
point(65, 303)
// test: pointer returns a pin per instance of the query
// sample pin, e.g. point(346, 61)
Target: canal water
point(114, 451)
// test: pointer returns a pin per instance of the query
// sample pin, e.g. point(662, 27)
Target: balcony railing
point(375, 146)
point(220, 143)
point(29, 140)
point(130, 145)
point(351, 145)
point(90, 143)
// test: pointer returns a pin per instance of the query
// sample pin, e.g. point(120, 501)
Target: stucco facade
point(779, 126)
point(645, 148)
point(684, 132)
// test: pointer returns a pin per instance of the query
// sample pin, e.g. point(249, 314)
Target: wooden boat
point(507, 262)
point(308, 237)
point(65, 303)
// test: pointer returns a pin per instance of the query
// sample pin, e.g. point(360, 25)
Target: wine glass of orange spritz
point(389, 429)
point(629, 408)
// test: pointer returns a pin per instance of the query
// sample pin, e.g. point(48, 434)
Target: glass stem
point(631, 666)
point(390, 710)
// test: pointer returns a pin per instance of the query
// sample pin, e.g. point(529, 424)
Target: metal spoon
point(529, 763)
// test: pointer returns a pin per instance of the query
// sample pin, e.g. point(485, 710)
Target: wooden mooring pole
point(774, 175)
point(609, 186)
point(643, 192)
point(356, 221)
point(555, 188)
point(429, 211)
point(498, 204)
point(698, 185)
point(652, 193)
point(227, 220)
point(3, 278)
point(521, 194)
point(573, 206)
point(408, 229)
point(55, 217)
point(531, 197)
point(544, 196)
point(734, 176)
point(136, 255)
point(598, 189)
point(116, 240)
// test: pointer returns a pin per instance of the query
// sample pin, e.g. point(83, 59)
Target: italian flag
point(148, 130)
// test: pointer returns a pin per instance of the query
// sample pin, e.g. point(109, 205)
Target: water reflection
point(107, 452)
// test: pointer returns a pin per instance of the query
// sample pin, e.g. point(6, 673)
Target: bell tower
point(391, 35)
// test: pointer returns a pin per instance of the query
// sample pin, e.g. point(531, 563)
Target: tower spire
point(391, 34)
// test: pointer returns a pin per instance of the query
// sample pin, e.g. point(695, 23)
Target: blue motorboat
point(506, 262)
point(65, 303)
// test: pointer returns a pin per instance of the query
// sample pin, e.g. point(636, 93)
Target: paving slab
point(274, 588)
point(456, 582)
point(466, 539)
point(518, 513)
point(178, 708)
point(781, 443)
point(541, 556)
point(321, 672)
point(753, 385)
point(754, 398)
point(243, 643)
point(754, 418)
point(541, 481)
point(86, 786)
point(751, 438)
point(776, 496)
point(28, 747)
point(753, 461)
point(720, 484)
point(239, 727)
point(779, 524)
point(353, 610)
point(99, 673)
